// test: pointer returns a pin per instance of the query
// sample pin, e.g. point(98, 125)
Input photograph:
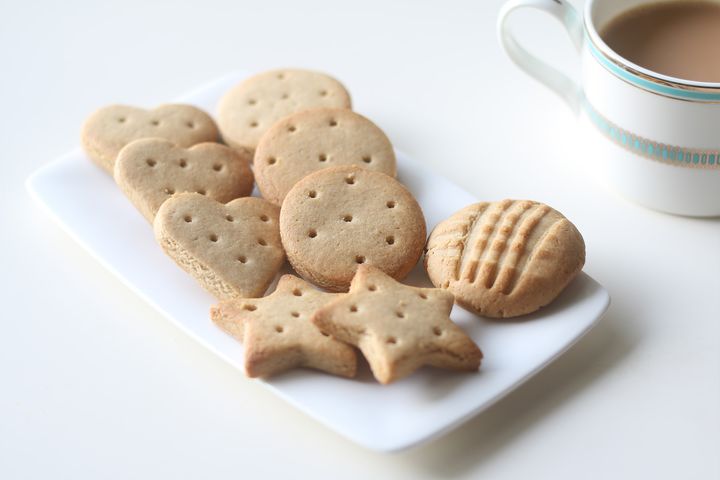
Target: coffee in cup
point(676, 38)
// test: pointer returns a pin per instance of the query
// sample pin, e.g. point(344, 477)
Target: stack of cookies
point(332, 207)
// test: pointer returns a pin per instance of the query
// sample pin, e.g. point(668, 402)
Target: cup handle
point(556, 81)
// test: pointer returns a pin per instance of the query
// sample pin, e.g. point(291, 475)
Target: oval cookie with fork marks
point(504, 259)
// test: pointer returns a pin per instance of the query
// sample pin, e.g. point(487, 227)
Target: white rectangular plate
point(84, 200)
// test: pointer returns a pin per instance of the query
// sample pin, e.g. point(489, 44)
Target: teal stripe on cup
point(660, 152)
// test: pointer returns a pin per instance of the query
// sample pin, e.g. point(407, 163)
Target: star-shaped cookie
point(278, 335)
point(397, 327)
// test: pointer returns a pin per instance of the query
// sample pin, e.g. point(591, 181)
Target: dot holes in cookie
point(312, 233)
point(262, 242)
point(292, 128)
point(333, 123)
point(201, 191)
point(312, 194)
point(353, 308)
point(367, 159)
point(121, 119)
point(183, 163)
point(400, 314)
point(217, 167)
point(359, 259)
point(347, 218)
point(252, 101)
point(250, 307)
point(350, 180)
point(151, 162)
point(322, 157)
point(390, 204)
point(254, 124)
point(155, 123)
point(242, 259)
point(323, 93)
point(295, 314)
point(423, 295)
point(272, 161)
point(437, 331)
point(297, 292)
point(229, 218)
point(372, 287)
point(264, 218)
point(190, 124)
point(213, 237)
point(391, 340)
point(279, 329)
point(390, 240)
point(187, 218)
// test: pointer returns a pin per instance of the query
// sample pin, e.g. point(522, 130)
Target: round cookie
point(250, 108)
point(504, 259)
point(340, 217)
point(312, 140)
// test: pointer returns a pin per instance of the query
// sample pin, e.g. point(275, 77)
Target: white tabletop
point(96, 384)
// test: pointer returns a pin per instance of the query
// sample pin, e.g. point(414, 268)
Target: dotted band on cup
point(661, 152)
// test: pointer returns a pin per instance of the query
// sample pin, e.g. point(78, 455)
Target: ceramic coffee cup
point(653, 138)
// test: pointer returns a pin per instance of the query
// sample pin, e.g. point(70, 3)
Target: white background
point(96, 384)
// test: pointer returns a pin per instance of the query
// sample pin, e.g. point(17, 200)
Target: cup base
point(667, 188)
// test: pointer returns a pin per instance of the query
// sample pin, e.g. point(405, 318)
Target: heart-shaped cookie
point(150, 170)
point(233, 250)
point(109, 129)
